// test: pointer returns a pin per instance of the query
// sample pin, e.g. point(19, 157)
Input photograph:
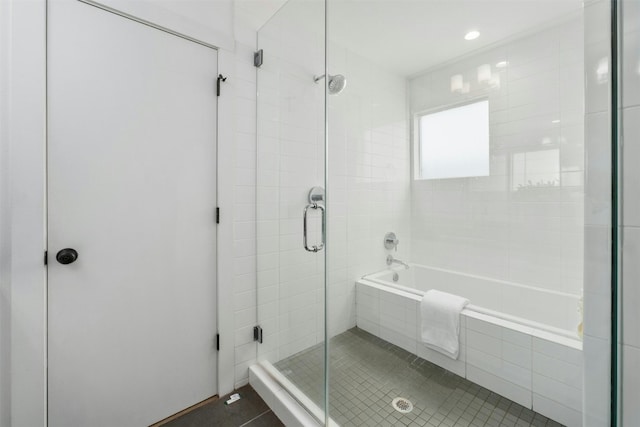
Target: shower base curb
point(289, 410)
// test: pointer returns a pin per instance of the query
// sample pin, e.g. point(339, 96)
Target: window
point(535, 169)
point(454, 143)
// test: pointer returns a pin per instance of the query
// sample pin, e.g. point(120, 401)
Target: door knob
point(67, 256)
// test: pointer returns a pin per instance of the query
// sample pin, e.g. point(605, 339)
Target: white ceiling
point(256, 13)
point(409, 36)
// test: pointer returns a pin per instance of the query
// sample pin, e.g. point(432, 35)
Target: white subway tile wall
point(524, 222)
point(368, 178)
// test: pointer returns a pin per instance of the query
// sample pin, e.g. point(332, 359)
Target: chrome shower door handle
point(324, 233)
point(305, 228)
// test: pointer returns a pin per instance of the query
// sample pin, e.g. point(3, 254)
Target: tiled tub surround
point(538, 365)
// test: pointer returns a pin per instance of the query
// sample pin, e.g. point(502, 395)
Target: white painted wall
point(22, 211)
point(502, 226)
point(209, 21)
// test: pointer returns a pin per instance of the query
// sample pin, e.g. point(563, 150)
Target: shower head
point(336, 83)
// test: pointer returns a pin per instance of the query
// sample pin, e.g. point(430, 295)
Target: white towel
point(440, 314)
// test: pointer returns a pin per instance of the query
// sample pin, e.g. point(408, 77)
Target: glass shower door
point(370, 105)
point(290, 217)
point(522, 229)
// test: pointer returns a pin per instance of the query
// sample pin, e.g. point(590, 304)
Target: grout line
point(255, 418)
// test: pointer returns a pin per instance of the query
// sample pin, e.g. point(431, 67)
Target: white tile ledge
point(475, 313)
point(534, 329)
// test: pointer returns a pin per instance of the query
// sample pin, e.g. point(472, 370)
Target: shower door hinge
point(218, 342)
point(257, 334)
point(46, 260)
point(257, 58)
point(221, 78)
point(217, 215)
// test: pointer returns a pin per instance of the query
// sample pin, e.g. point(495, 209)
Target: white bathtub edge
point(561, 337)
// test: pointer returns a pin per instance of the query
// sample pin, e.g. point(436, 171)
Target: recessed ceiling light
point(502, 64)
point(555, 121)
point(472, 35)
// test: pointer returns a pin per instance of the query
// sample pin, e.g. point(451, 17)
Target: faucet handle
point(391, 241)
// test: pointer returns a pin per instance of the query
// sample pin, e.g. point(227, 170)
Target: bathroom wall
point(524, 222)
point(22, 174)
point(368, 172)
point(208, 21)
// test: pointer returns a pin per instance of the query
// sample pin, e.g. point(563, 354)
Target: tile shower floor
point(367, 373)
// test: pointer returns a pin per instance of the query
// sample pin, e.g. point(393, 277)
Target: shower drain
point(403, 405)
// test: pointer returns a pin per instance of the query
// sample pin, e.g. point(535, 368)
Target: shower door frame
point(302, 72)
point(615, 372)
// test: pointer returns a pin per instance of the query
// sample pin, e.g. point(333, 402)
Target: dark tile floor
point(367, 373)
point(249, 411)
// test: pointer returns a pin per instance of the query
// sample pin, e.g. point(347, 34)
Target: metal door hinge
point(217, 215)
point(257, 334)
point(46, 260)
point(220, 78)
point(257, 58)
point(218, 342)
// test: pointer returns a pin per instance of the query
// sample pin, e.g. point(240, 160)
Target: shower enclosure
point(480, 134)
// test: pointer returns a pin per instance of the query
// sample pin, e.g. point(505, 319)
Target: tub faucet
point(391, 260)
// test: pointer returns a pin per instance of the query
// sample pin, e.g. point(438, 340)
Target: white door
point(132, 189)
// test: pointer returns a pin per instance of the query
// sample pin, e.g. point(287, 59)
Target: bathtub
point(516, 340)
